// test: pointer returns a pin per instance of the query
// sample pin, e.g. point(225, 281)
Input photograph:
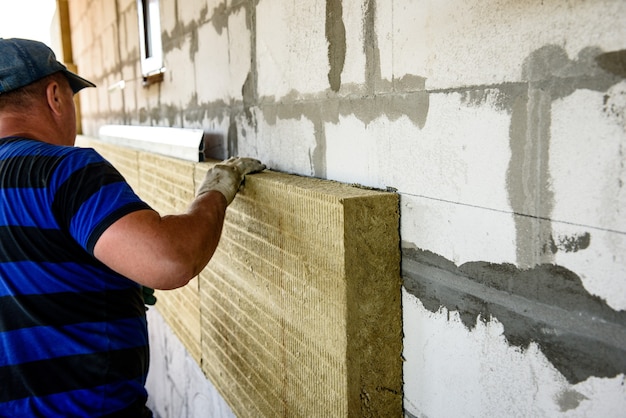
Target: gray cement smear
point(336, 38)
point(570, 399)
point(547, 305)
point(549, 75)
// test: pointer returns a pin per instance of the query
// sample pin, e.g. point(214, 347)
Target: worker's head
point(37, 87)
point(23, 61)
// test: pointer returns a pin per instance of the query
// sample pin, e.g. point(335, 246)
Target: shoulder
point(39, 164)
point(78, 163)
point(26, 147)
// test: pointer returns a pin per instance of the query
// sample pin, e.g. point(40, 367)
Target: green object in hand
point(148, 295)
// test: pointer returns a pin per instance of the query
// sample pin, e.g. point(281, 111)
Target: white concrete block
point(178, 77)
point(352, 151)
point(458, 232)
point(478, 374)
point(461, 155)
point(125, 5)
point(239, 50)
point(292, 53)
point(408, 24)
point(109, 13)
point(587, 177)
point(469, 43)
point(94, 14)
point(129, 32)
point(282, 144)
point(211, 65)
point(115, 96)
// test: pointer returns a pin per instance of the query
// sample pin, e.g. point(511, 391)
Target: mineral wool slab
point(300, 305)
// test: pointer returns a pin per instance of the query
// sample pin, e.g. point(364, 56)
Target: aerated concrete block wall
point(500, 124)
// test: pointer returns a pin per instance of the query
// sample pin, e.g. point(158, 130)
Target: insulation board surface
point(300, 305)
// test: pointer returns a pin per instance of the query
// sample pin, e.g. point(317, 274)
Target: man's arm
point(165, 252)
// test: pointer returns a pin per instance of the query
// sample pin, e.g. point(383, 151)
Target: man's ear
point(54, 97)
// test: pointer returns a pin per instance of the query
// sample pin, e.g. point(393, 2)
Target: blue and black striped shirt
point(73, 335)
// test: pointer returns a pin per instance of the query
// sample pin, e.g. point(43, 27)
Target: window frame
point(150, 44)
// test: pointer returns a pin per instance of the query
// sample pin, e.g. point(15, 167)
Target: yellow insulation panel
point(301, 302)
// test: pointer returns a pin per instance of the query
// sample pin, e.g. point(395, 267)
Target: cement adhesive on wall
point(547, 305)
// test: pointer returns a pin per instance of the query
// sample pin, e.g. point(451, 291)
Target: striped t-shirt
point(73, 335)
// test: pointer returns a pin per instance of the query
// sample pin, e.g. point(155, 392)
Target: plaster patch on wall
point(248, 92)
point(569, 243)
point(370, 45)
point(192, 30)
point(570, 399)
point(318, 154)
point(614, 106)
point(409, 82)
point(550, 68)
point(577, 332)
point(613, 62)
point(550, 75)
point(232, 139)
point(500, 96)
point(336, 38)
point(193, 112)
point(528, 177)
point(220, 17)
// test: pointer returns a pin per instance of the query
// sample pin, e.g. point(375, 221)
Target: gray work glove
point(227, 176)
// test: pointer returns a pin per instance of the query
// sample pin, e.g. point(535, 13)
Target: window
point(150, 41)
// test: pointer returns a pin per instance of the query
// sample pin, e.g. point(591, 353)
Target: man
point(76, 247)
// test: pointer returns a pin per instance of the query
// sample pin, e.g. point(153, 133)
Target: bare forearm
point(197, 232)
point(164, 252)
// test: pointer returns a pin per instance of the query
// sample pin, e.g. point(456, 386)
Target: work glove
point(227, 176)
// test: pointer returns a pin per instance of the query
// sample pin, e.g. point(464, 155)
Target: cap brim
point(77, 83)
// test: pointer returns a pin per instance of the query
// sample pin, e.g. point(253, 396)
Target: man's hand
point(227, 176)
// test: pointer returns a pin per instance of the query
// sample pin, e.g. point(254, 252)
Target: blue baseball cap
point(24, 61)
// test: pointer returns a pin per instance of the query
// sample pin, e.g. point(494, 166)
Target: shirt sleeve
point(90, 195)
